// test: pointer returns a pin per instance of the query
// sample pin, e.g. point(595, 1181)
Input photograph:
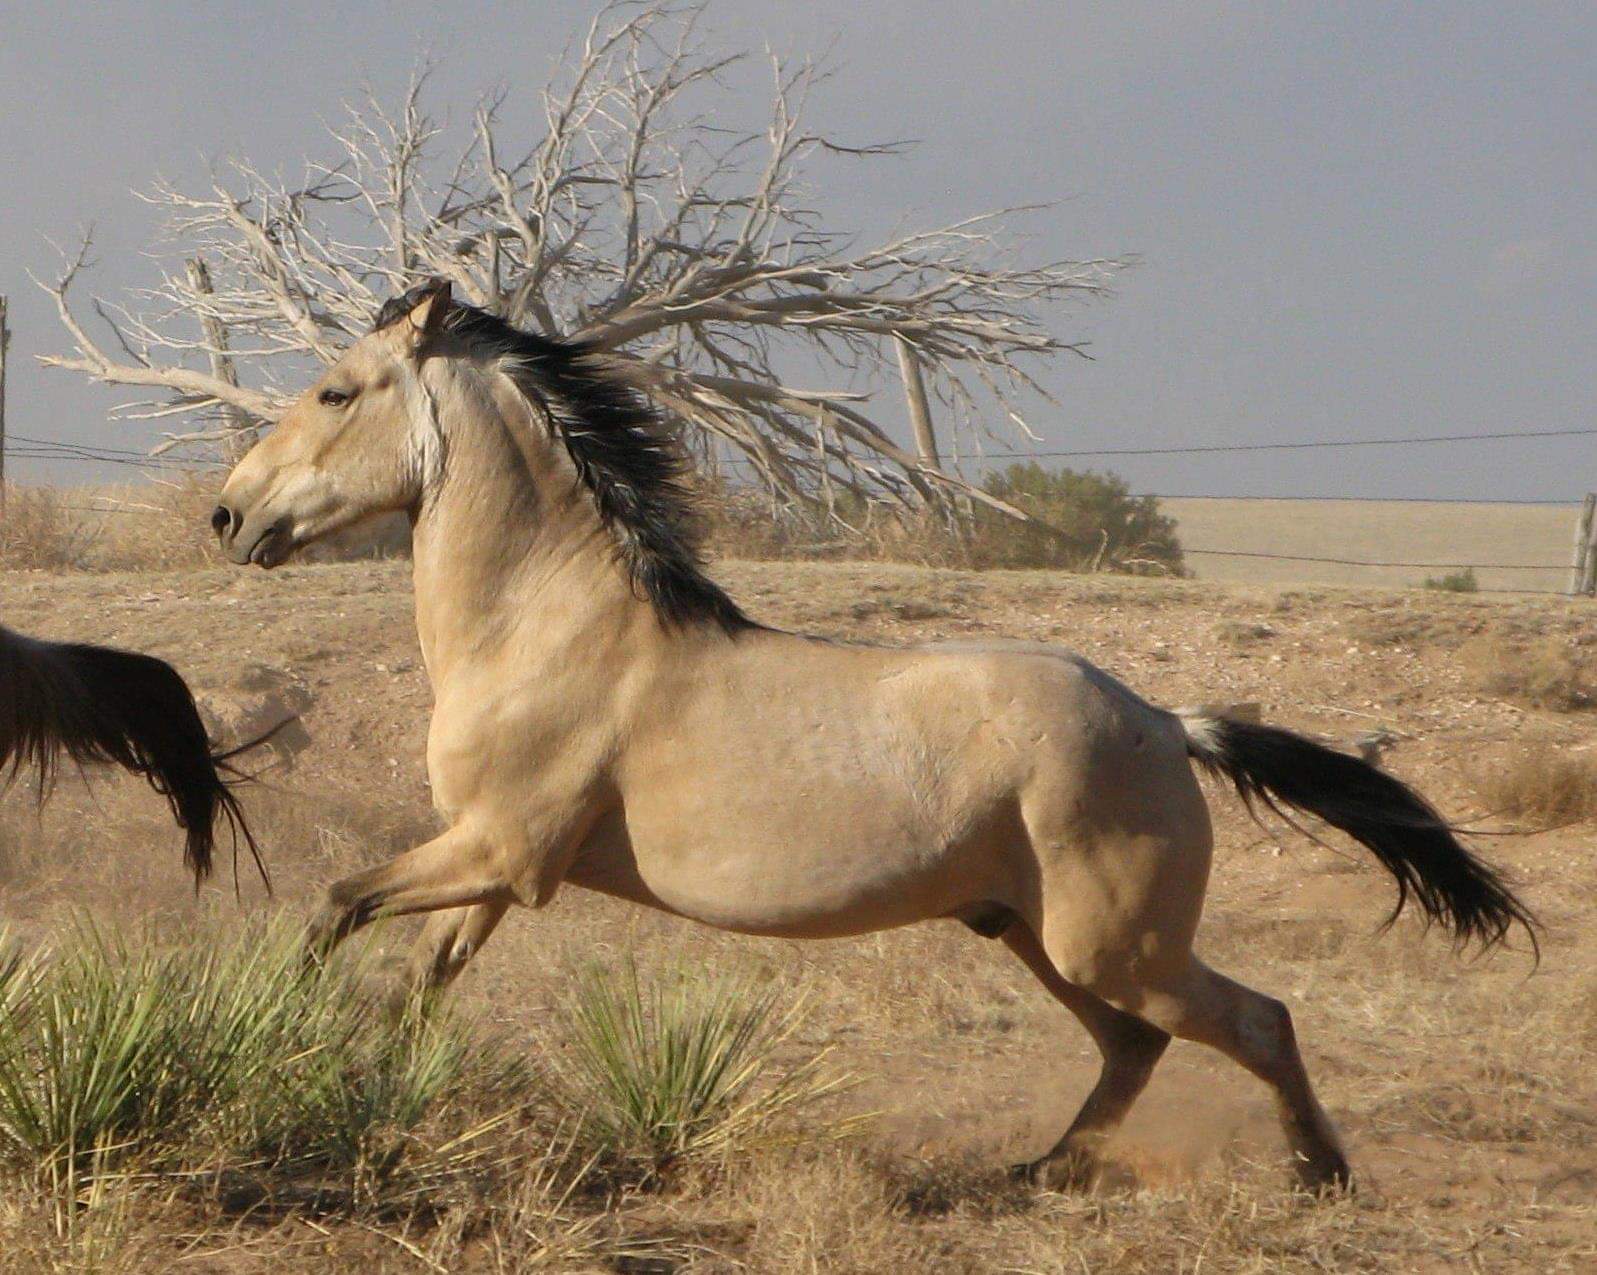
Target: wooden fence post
point(1588, 585)
point(1580, 560)
point(920, 419)
point(5, 340)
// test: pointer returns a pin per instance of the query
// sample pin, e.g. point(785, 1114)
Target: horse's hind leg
point(1195, 1003)
point(1130, 1048)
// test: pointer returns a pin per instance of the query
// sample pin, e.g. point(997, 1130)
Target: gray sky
point(1354, 220)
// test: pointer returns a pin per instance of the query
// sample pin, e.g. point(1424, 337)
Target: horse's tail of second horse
point(95, 704)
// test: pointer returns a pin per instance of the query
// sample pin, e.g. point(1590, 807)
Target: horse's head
point(355, 444)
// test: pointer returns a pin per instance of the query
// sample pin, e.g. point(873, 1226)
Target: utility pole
point(920, 412)
point(241, 434)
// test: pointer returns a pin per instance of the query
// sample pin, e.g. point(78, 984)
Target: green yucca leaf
point(113, 1050)
point(682, 1067)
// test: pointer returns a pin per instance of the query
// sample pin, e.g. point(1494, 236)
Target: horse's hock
point(259, 699)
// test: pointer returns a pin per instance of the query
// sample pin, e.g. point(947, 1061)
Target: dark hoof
point(1329, 1179)
point(1068, 1173)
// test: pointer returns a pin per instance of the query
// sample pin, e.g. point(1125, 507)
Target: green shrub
point(1098, 525)
point(1455, 582)
point(681, 1067)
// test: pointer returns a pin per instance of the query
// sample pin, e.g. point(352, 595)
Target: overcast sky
point(1353, 220)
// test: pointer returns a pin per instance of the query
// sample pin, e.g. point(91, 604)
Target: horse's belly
point(801, 888)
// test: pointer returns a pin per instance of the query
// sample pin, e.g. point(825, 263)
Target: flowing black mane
point(624, 453)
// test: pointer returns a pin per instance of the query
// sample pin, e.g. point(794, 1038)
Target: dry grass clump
point(245, 1083)
point(235, 1062)
point(1550, 785)
point(1550, 673)
point(157, 526)
point(160, 525)
point(38, 532)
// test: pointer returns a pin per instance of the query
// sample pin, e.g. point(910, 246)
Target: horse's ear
point(417, 314)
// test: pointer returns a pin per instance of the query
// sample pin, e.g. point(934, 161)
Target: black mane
point(624, 454)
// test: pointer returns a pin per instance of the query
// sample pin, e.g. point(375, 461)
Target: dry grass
point(1544, 672)
point(156, 526)
point(38, 532)
point(1543, 784)
point(1465, 1090)
point(746, 525)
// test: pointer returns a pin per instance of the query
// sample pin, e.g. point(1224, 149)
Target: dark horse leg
point(1130, 1049)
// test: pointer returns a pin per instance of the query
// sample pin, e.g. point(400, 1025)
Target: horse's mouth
point(274, 545)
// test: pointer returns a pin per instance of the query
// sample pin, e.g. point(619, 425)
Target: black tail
point(94, 704)
point(1403, 830)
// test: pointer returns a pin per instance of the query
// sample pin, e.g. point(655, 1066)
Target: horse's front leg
point(448, 941)
point(457, 869)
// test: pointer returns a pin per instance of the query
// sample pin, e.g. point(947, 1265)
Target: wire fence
point(25, 447)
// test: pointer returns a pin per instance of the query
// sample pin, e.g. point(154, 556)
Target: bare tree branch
point(637, 221)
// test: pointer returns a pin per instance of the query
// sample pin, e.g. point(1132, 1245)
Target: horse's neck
point(509, 553)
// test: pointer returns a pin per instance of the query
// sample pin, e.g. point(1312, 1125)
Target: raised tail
point(93, 704)
point(1405, 832)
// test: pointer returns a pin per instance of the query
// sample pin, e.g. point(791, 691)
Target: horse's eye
point(334, 398)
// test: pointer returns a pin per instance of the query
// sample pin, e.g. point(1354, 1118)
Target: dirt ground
point(1450, 536)
point(1465, 1088)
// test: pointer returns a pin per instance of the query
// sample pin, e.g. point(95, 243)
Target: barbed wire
point(118, 455)
point(55, 450)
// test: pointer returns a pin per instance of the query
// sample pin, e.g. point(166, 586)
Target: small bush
point(1100, 525)
point(1455, 582)
point(1549, 785)
point(680, 1068)
point(1096, 525)
point(159, 525)
point(38, 532)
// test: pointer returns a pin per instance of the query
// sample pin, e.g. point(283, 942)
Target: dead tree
point(637, 222)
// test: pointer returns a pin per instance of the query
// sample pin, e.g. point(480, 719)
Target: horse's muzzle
point(265, 547)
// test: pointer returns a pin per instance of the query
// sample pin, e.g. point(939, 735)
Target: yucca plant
point(681, 1067)
point(117, 1053)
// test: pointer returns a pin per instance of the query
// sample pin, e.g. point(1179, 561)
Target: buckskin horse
point(606, 715)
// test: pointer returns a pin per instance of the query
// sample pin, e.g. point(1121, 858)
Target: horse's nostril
point(221, 519)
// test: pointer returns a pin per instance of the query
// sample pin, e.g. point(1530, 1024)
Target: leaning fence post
point(5, 340)
point(1588, 585)
point(1580, 563)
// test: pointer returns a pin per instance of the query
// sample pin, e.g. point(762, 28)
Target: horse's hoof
point(1068, 1173)
point(1329, 1179)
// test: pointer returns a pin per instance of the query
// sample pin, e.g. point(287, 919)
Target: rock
point(259, 699)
